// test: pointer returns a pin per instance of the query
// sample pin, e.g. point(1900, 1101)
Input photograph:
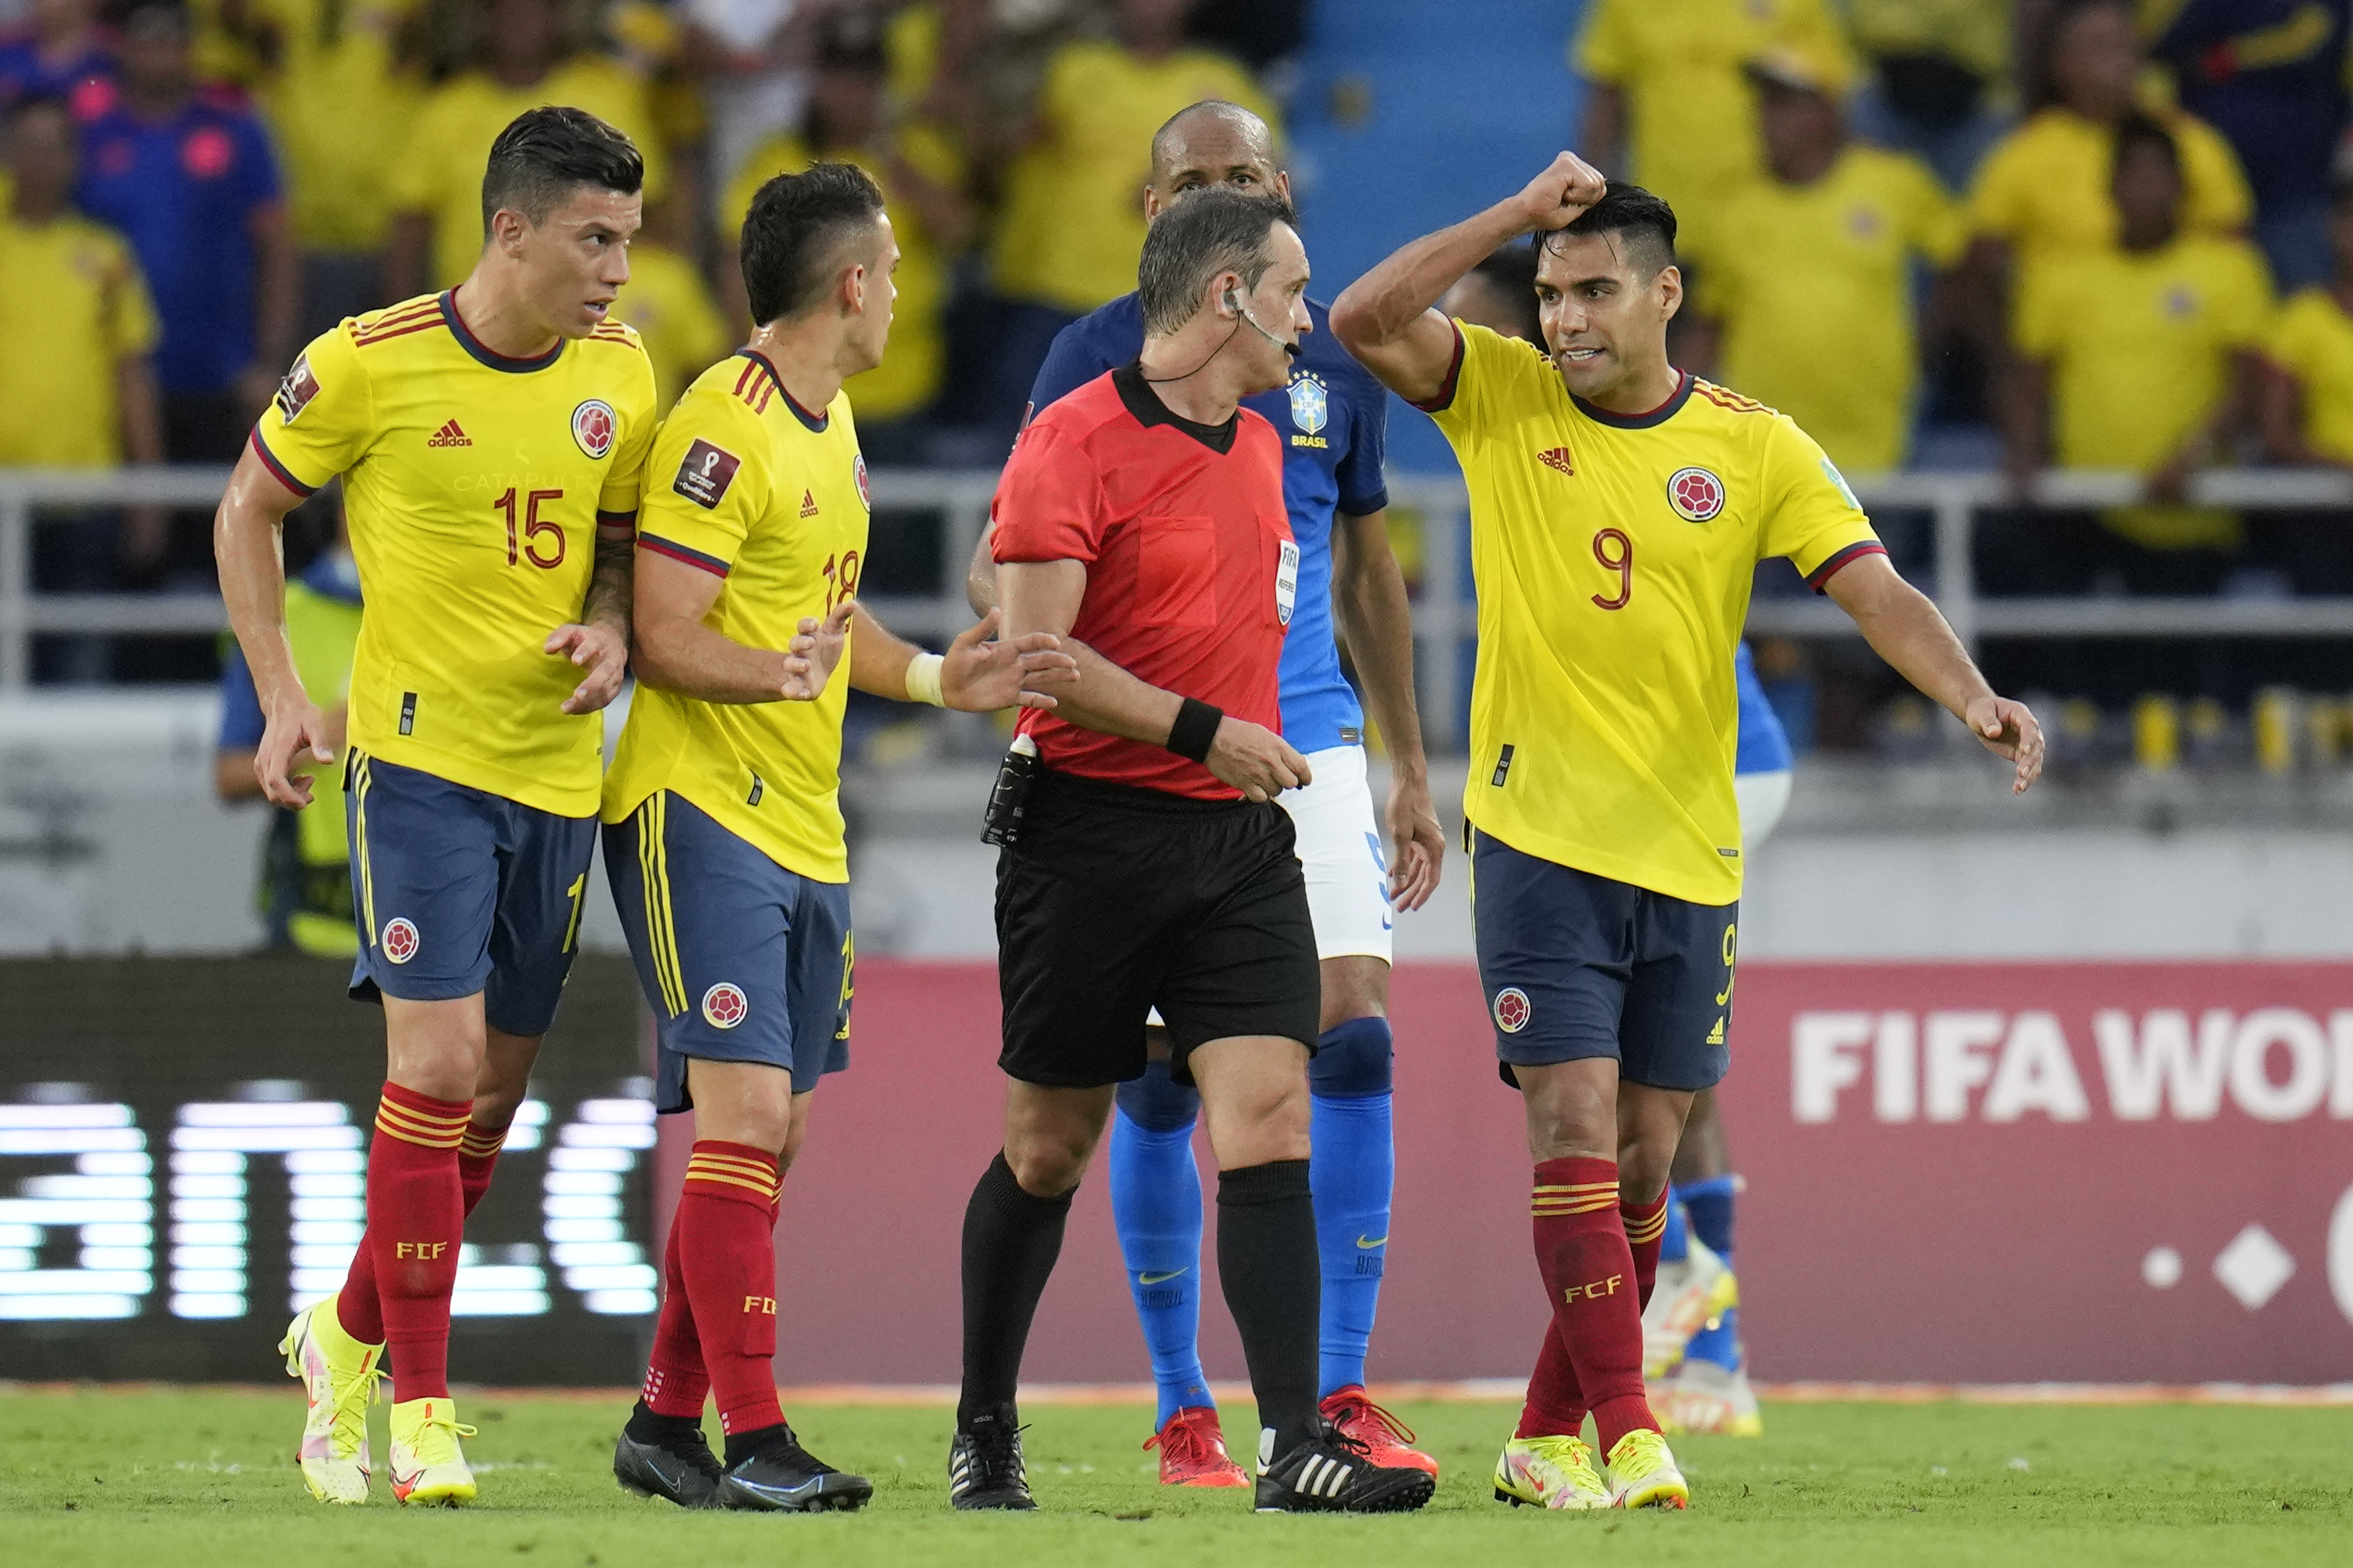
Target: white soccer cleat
point(1704, 1396)
point(339, 1377)
point(1688, 1297)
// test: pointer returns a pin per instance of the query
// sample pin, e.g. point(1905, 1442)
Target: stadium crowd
point(2106, 234)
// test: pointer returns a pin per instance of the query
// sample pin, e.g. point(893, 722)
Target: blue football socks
point(1674, 1242)
point(1352, 1169)
point(1710, 1205)
point(1156, 1203)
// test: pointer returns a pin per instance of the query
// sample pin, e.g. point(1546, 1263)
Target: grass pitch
point(201, 1476)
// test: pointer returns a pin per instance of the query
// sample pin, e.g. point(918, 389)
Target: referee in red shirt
point(1141, 518)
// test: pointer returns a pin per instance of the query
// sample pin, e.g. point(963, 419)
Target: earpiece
point(1234, 302)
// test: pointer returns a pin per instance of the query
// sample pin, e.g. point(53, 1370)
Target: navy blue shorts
point(742, 960)
point(459, 891)
point(1576, 966)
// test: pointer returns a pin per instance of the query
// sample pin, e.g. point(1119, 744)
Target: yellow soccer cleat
point(427, 1464)
point(339, 1377)
point(1642, 1473)
point(1689, 1297)
point(1549, 1472)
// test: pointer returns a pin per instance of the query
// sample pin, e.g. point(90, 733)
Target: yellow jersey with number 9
point(1613, 557)
point(749, 485)
point(475, 486)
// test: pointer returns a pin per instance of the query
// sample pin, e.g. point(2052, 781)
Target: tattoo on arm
point(608, 589)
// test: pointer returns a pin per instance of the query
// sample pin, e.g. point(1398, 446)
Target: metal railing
point(1444, 616)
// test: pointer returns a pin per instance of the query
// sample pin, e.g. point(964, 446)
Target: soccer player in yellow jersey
point(1619, 508)
point(490, 441)
point(723, 832)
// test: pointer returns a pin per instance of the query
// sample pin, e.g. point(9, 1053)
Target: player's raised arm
point(253, 586)
point(1388, 317)
point(1903, 628)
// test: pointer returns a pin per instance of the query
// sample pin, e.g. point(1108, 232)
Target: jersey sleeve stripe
point(660, 546)
point(371, 339)
point(270, 460)
point(1822, 573)
point(1446, 389)
point(617, 524)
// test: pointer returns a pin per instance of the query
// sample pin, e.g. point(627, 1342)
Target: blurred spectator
point(2142, 357)
point(191, 179)
point(305, 892)
point(1811, 286)
point(2043, 194)
point(60, 53)
point(1500, 294)
point(2308, 401)
point(334, 93)
point(1667, 78)
point(1259, 33)
point(511, 56)
point(2270, 75)
point(1938, 82)
point(749, 57)
point(668, 302)
point(1070, 225)
point(76, 389)
point(848, 120)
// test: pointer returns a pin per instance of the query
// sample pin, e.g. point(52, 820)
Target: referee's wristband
point(924, 679)
point(1195, 730)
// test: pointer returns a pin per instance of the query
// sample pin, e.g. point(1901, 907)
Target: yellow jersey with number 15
point(749, 485)
point(475, 486)
point(1613, 557)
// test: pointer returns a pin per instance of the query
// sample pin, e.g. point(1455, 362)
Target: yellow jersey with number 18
point(749, 485)
point(475, 486)
point(1613, 557)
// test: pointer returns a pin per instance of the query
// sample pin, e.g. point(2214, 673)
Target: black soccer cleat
point(1331, 1473)
point(678, 1466)
point(985, 1468)
point(782, 1476)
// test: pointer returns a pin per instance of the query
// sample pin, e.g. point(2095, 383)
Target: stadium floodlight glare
point(109, 1199)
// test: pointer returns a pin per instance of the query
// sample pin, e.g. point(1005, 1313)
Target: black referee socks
point(1010, 1241)
point(1267, 1261)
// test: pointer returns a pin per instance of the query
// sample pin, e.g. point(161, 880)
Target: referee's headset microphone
point(1232, 300)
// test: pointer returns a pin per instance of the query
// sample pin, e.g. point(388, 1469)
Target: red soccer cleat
point(1387, 1441)
point(1193, 1451)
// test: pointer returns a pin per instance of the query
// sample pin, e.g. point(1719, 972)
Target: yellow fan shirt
point(1813, 284)
point(475, 486)
point(1613, 557)
point(2313, 341)
point(72, 308)
point(670, 306)
point(341, 111)
point(750, 487)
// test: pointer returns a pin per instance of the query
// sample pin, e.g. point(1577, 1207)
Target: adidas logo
point(809, 503)
point(1559, 460)
point(1716, 1035)
point(1323, 1477)
point(450, 434)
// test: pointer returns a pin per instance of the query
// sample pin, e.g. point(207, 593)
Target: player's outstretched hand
point(1558, 196)
point(982, 676)
point(2006, 728)
point(1419, 845)
point(599, 650)
point(1255, 760)
point(295, 733)
point(811, 656)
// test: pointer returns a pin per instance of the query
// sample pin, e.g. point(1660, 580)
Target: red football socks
point(726, 1239)
point(357, 1308)
point(1555, 1404)
point(1589, 1271)
point(676, 1383)
point(407, 1263)
point(1646, 1227)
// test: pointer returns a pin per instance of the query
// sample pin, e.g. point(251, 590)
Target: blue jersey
point(1764, 745)
point(1334, 420)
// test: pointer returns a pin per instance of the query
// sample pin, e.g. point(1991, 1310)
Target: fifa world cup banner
point(2134, 1172)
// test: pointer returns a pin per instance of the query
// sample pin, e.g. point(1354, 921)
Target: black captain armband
point(1195, 730)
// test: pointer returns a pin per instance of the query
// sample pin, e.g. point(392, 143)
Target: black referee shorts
point(1118, 900)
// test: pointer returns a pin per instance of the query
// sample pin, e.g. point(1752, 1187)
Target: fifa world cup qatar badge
point(593, 424)
point(1696, 494)
point(1512, 1009)
point(726, 1006)
point(400, 941)
point(294, 392)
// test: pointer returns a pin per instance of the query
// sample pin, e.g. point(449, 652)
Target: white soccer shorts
point(1763, 798)
point(1347, 863)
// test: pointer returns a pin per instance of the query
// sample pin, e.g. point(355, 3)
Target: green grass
point(172, 1478)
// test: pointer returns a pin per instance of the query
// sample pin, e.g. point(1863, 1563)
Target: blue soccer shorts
point(458, 891)
point(741, 960)
point(1576, 966)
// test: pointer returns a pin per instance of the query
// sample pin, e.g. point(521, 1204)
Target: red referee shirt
point(1190, 563)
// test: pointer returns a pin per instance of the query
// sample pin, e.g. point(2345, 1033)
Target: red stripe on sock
point(1588, 1273)
point(727, 1249)
point(416, 1222)
point(356, 1307)
point(1645, 1220)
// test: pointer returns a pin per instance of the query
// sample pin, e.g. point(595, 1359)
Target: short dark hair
point(1210, 232)
point(544, 154)
point(1512, 271)
point(791, 233)
point(2140, 130)
point(1646, 219)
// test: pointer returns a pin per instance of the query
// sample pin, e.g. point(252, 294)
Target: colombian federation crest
point(399, 941)
point(1311, 404)
point(593, 424)
point(726, 1006)
point(1512, 1009)
point(1696, 494)
point(857, 472)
